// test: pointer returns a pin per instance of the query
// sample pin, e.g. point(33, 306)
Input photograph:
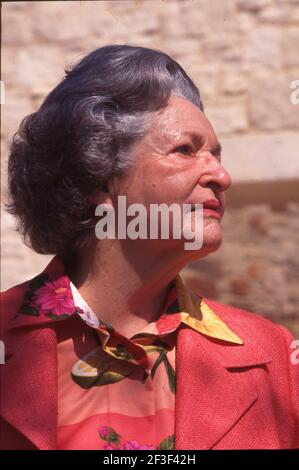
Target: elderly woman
point(106, 348)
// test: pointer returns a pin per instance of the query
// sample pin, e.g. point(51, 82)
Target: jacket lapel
point(210, 396)
point(30, 406)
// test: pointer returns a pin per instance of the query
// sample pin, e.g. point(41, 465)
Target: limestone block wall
point(243, 55)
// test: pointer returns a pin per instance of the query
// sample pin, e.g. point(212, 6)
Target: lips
point(212, 208)
point(212, 204)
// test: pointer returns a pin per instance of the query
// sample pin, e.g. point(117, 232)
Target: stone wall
point(243, 55)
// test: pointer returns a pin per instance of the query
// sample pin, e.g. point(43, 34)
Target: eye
point(183, 149)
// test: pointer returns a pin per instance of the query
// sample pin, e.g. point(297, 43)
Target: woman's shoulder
point(11, 300)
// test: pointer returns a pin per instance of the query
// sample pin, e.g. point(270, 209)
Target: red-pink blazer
point(227, 396)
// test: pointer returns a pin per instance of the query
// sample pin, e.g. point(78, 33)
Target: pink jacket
point(227, 396)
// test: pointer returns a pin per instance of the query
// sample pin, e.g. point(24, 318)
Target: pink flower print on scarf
point(55, 298)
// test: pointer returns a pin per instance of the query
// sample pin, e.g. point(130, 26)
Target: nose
point(214, 175)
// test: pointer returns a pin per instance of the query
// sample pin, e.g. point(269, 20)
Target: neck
point(124, 286)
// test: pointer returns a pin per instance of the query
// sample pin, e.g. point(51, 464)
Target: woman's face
point(179, 161)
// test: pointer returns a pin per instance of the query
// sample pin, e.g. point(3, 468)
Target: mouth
point(211, 208)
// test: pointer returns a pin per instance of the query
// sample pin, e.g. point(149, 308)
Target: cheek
point(162, 182)
point(175, 187)
point(170, 189)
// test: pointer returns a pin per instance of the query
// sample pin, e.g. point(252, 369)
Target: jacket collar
point(50, 297)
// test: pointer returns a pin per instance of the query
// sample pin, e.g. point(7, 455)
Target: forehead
point(179, 119)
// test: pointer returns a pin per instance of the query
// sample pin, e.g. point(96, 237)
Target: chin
point(212, 233)
point(212, 238)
